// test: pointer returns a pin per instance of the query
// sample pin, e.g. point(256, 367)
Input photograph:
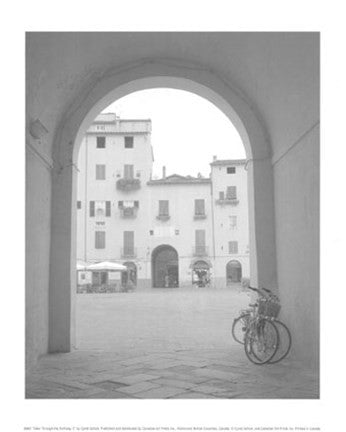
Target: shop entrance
point(233, 272)
point(165, 267)
point(201, 274)
point(130, 275)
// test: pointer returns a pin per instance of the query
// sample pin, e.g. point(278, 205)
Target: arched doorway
point(233, 272)
point(200, 273)
point(131, 273)
point(165, 267)
point(91, 100)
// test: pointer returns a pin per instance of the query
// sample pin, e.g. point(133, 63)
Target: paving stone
point(95, 378)
point(108, 385)
point(160, 393)
point(194, 395)
point(137, 388)
point(165, 365)
point(174, 383)
point(102, 395)
point(221, 384)
point(208, 389)
point(212, 373)
point(133, 379)
point(71, 383)
point(184, 377)
point(181, 369)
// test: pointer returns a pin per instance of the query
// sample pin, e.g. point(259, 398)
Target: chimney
point(163, 172)
point(214, 158)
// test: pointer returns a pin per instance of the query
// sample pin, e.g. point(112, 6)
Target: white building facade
point(170, 232)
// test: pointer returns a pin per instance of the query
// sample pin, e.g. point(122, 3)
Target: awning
point(81, 265)
point(107, 266)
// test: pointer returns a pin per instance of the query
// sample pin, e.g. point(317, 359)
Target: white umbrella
point(107, 266)
point(81, 265)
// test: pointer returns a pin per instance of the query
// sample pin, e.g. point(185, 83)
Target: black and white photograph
point(172, 215)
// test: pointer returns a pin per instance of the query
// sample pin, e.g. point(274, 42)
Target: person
point(130, 286)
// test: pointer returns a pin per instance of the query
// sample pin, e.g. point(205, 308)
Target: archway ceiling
point(277, 72)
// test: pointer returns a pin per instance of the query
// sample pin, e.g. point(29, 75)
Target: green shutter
point(108, 208)
point(92, 209)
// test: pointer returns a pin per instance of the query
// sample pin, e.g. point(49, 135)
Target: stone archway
point(97, 94)
point(165, 267)
point(201, 273)
point(233, 272)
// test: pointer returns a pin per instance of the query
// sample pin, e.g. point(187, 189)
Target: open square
point(166, 344)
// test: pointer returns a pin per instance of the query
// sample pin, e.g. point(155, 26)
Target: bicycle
point(264, 311)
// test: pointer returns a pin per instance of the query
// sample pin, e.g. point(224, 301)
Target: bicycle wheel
point(261, 341)
point(285, 342)
point(239, 328)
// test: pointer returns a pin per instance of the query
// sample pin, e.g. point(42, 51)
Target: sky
point(187, 130)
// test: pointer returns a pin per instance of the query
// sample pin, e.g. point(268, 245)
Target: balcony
point(163, 217)
point(128, 184)
point(128, 212)
point(128, 252)
point(199, 216)
point(227, 201)
point(200, 251)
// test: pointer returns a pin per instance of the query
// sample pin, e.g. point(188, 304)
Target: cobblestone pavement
point(185, 374)
point(163, 344)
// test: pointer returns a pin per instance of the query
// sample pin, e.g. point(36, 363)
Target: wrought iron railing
point(128, 184)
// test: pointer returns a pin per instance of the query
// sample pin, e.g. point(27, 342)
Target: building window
point(163, 208)
point(100, 172)
point(108, 208)
point(231, 192)
point(151, 232)
point(79, 205)
point(128, 142)
point(128, 172)
point(129, 243)
point(100, 239)
point(233, 247)
point(221, 195)
point(92, 209)
point(230, 170)
point(100, 208)
point(233, 222)
point(200, 242)
point(177, 232)
point(100, 142)
point(199, 207)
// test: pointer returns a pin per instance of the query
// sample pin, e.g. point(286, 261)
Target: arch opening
point(79, 116)
point(201, 273)
point(233, 272)
point(165, 267)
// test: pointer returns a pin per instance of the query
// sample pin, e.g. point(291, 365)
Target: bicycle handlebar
point(267, 290)
point(260, 292)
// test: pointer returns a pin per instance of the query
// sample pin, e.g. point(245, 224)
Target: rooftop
point(112, 118)
point(179, 179)
point(228, 162)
